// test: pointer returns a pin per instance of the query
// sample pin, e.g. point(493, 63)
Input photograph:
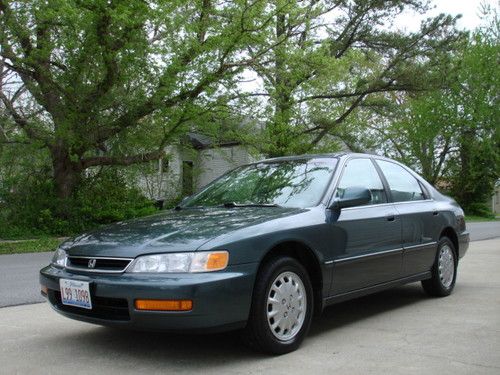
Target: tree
point(452, 135)
point(417, 131)
point(475, 100)
point(337, 56)
point(85, 80)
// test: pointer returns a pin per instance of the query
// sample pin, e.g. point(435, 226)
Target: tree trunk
point(279, 126)
point(462, 182)
point(67, 173)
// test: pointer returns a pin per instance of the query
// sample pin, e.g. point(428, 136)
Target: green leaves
point(451, 135)
point(334, 58)
point(109, 81)
point(116, 78)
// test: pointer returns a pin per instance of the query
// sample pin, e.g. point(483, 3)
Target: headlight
point(181, 262)
point(59, 258)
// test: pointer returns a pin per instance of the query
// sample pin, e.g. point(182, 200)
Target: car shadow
point(353, 311)
point(217, 350)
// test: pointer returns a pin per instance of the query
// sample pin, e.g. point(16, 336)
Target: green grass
point(479, 218)
point(29, 246)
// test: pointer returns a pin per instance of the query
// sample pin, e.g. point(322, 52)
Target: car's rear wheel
point(444, 270)
point(282, 307)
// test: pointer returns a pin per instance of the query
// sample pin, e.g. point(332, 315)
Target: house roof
point(201, 141)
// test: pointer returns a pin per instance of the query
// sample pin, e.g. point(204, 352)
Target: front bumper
point(463, 243)
point(221, 300)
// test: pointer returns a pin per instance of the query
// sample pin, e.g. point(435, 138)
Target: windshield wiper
point(179, 207)
point(234, 204)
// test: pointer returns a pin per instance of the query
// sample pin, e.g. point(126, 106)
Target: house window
point(163, 165)
point(187, 178)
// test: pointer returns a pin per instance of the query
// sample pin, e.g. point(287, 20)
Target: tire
point(283, 279)
point(442, 282)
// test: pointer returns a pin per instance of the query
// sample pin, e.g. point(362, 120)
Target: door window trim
point(341, 174)
point(387, 204)
point(419, 183)
point(338, 176)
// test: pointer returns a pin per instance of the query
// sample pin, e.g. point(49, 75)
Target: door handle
point(435, 213)
point(391, 217)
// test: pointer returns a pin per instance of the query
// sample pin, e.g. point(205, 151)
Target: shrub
point(29, 206)
point(479, 209)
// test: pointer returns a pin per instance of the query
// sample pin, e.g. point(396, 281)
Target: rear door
point(367, 238)
point(421, 221)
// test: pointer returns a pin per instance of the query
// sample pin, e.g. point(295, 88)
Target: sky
point(468, 8)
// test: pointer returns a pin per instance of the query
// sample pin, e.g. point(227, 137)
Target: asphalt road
point(400, 331)
point(484, 230)
point(19, 272)
point(19, 278)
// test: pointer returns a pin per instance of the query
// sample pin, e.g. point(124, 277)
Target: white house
point(191, 165)
point(495, 200)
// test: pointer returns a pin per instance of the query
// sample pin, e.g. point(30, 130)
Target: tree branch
point(373, 90)
point(339, 120)
point(20, 120)
point(48, 96)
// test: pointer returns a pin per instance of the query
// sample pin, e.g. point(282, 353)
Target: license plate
point(75, 293)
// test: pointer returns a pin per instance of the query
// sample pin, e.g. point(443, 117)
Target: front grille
point(102, 307)
point(97, 264)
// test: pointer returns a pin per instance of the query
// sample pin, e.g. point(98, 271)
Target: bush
point(108, 199)
point(479, 209)
point(29, 206)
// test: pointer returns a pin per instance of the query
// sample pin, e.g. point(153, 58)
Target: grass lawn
point(479, 218)
point(29, 246)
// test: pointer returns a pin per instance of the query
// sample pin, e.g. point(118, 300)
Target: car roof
point(347, 155)
point(317, 156)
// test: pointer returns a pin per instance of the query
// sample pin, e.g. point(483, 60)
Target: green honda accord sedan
point(263, 249)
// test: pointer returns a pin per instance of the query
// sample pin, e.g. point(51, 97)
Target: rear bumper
point(463, 243)
point(221, 300)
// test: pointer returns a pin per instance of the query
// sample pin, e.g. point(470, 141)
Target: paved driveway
point(400, 331)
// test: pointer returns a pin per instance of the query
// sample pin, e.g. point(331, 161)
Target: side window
point(404, 187)
point(362, 173)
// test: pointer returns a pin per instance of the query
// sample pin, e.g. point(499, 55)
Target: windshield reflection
point(290, 183)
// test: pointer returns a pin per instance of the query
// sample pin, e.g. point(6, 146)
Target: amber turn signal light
point(163, 305)
point(217, 261)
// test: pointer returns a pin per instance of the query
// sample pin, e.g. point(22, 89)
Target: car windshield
point(291, 183)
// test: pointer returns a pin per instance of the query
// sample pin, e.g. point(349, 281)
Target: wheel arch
point(450, 233)
point(306, 256)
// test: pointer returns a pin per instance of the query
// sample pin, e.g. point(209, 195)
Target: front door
point(368, 238)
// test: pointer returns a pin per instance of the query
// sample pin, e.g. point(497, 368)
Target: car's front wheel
point(444, 270)
point(282, 307)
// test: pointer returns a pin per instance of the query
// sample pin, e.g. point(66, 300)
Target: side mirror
point(353, 196)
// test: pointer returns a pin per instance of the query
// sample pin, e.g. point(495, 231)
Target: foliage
point(475, 96)
point(101, 83)
point(90, 86)
point(334, 57)
point(472, 219)
point(30, 205)
point(30, 246)
point(452, 135)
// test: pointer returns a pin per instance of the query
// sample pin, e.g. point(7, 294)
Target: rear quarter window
point(403, 186)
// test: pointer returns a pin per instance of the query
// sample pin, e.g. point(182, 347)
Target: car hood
point(170, 231)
